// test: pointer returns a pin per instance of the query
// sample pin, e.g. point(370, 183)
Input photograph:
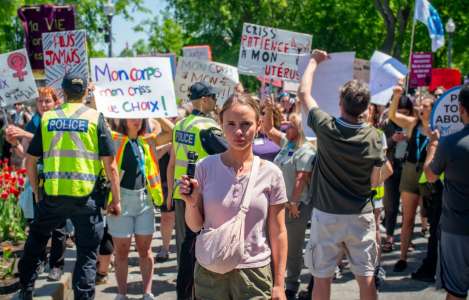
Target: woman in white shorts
point(139, 186)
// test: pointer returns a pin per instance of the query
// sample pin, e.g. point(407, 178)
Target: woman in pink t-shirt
point(218, 189)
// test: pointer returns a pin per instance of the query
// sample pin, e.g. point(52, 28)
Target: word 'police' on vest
point(78, 125)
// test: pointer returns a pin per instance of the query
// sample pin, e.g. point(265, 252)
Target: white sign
point(64, 53)
point(223, 78)
point(202, 52)
point(271, 52)
point(134, 87)
point(329, 77)
point(445, 114)
point(384, 75)
point(16, 78)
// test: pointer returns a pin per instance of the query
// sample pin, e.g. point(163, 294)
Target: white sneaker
point(148, 296)
point(121, 297)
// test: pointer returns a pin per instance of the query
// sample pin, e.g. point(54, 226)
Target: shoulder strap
point(252, 178)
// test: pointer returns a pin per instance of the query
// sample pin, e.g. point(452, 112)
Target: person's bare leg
point(410, 202)
point(377, 213)
point(121, 252)
point(145, 260)
point(167, 222)
point(104, 262)
point(322, 288)
point(451, 297)
point(367, 287)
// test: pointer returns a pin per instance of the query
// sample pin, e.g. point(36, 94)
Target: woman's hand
point(189, 189)
point(399, 136)
point(278, 293)
point(294, 210)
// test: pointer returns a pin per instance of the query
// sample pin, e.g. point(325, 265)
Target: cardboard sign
point(16, 78)
point(134, 87)
point(445, 114)
point(44, 18)
point(329, 77)
point(445, 77)
point(385, 73)
point(271, 52)
point(64, 53)
point(361, 70)
point(223, 77)
point(202, 52)
point(421, 69)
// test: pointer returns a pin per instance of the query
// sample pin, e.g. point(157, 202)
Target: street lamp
point(450, 28)
point(109, 10)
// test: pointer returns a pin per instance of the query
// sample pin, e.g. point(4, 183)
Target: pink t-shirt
point(222, 195)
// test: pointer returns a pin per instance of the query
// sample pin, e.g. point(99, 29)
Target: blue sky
point(122, 29)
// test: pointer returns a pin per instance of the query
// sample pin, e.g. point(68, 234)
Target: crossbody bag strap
point(252, 178)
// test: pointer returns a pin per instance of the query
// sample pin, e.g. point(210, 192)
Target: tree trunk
point(389, 21)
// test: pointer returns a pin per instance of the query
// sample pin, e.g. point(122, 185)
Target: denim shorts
point(137, 217)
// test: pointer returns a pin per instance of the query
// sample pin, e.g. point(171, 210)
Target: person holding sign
point(237, 185)
point(450, 156)
point(349, 163)
point(417, 128)
point(75, 143)
point(140, 185)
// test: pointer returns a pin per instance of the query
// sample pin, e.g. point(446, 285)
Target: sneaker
point(55, 274)
point(290, 294)
point(101, 278)
point(380, 275)
point(25, 295)
point(423, 274)
point(400, 266)
point(121, 297)
point(162, 256)
point(148, 296)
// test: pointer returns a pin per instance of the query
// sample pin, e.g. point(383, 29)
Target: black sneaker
point(291, 295)
point(162, 256)
point(25, 295)
point(400, 266)
point(422, 274)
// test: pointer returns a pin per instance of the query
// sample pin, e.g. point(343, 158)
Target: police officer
point(200, 134)
point(74, 143)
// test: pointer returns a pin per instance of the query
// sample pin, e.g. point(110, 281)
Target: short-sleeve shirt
point(265, 148)
point(346, 155)
point(452, 158)
point(133, 177)
point(291, 160)
point(222, 193)
point(33, 124)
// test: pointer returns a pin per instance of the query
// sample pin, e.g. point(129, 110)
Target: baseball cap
point(74, 86)
point(201, 89)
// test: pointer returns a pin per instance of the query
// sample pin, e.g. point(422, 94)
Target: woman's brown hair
point(122, 127)
point(48, 91)
point(243, 99)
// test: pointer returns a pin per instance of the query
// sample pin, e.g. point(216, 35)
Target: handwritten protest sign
point(361, 70)
point(64, 52)
point(16, 78)
point(329, 77)
point(385, 72)
point(44, 18)
point(420, 69)
point(134, 87)
point(272, 52)
point(202, 52)
point(445, 114)
point(222, 77)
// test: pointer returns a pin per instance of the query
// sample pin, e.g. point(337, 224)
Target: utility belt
point(101, 190)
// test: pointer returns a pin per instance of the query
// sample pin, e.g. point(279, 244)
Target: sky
point(123, 29)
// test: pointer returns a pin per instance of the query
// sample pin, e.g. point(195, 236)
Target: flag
point(427, 14)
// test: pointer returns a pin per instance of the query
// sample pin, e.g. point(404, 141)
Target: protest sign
point(361, 70)
point(445, 114)
point(385, 73)
point(202, 52)
point(445, 77)
point(223, 78)
point(134, 87)
point(329, 77)
point(64, 53)
point(272, 52)
point(16, 78)
point(420, 69)
point(44, 18)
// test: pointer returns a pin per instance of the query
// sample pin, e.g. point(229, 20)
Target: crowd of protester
point(347, 185)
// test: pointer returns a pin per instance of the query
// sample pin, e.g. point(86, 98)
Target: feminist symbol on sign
point(17, 62)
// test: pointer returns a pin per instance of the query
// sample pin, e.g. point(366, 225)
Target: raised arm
point(306, 83)
point(401, 120)
point(268, 125)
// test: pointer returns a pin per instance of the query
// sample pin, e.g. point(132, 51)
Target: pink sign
point(421, 69)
